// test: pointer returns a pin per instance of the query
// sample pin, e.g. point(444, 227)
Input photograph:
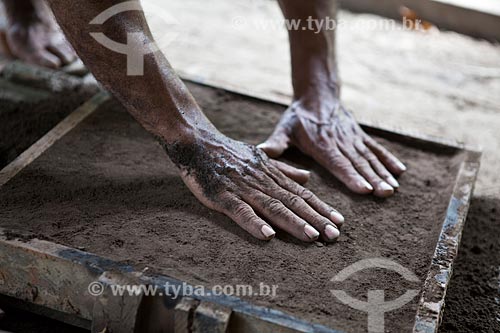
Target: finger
point(387, 158)
point(381, 188)
point(376, 164)
point(241, 213)
point(279, 141)
point(302, 209)
point(64, 52)
point(341, 167)
point(275, 145)
point(45, 59)
point(278, 215)
point(301, 176)
point(317, 204)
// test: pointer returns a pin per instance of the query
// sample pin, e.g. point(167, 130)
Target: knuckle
point(384, 173)
point(241, 210)
point(340, 164)
point(306, 194)
point(335, 156)
point(295, 200)
point(273, 204)
point(363, 150)
point(360, 164)
point(365, 155)
point(267, 187)
point(370, 158)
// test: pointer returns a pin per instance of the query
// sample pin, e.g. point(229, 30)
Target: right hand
point(241, 182)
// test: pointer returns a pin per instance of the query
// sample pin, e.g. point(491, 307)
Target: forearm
point(312, 46)
point(158, 99)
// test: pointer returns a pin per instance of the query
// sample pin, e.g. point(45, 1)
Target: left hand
point(332, 137)
point(35, 37)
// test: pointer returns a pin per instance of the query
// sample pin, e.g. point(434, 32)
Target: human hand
point(32, 35)
point(331, 136)
point(256, 192)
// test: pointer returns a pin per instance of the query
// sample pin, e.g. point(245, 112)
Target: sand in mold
point(109, 187)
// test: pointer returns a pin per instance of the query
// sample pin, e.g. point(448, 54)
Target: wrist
point(187, 132)
point(316, 78)
point(186, 146)
point(320, 96)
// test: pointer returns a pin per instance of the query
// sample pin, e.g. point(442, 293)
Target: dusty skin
point(229, 176)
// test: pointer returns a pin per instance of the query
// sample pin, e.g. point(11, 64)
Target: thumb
point(276, 144)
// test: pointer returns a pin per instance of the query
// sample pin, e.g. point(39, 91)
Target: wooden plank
point(431, 304)
point(34, 273)
point(113, 312)
point(51, 137)
point(58, 277)
point(479, 19)
point(184, 313)
point(211, 318)
point(486, 6)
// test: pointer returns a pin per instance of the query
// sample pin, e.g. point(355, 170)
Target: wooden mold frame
point(53, 280)
point(479, 19)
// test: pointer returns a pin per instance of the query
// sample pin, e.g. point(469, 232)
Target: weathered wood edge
point(57, 277)
point(51, 137)
point(432, 301)
point(479, 19)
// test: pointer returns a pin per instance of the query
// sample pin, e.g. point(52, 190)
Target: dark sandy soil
point(23, 123)
point(108, 187)
point(473, 298)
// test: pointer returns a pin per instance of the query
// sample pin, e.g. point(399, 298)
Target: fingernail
point(401, 165)
point(337, 217)
point(306, 172)
point(331, 232)
point(386, 187)
point(367, 185)
point(393, 182)
point(267, 231)
point(262, 146)
point(311, 232)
